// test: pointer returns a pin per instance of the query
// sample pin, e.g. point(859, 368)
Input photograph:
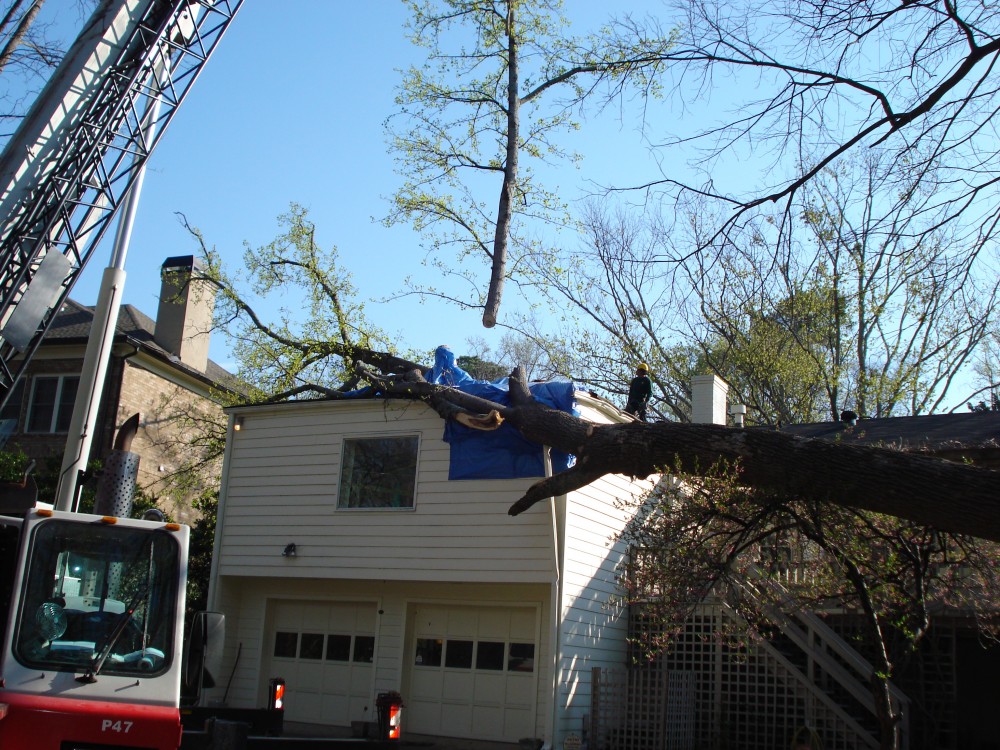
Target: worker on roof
point(639, 392)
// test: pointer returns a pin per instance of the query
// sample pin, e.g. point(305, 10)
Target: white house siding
point(254, 602)
point(281, 482)
point(593, 629)
point(457, 556)
point(244, 626)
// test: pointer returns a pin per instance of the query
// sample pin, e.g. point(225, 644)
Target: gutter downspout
point(212, 600)
point(552, 722)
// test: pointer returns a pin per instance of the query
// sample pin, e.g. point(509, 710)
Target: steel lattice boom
point(68, 168)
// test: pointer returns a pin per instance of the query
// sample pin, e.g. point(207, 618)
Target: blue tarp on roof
point(502, 453)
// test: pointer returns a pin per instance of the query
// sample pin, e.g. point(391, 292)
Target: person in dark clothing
point(639, 392)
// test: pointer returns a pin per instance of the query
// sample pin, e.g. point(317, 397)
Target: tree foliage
point(485, 109)
point(315, 327)
point(836, 307)
point(768, 555)
point(202, 548)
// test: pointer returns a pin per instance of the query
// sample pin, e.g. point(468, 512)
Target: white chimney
point(184, 317)
point(708, 399)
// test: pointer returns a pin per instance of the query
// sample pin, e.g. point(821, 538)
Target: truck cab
point(91, 651)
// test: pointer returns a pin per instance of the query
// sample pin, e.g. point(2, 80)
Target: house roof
point(962, 435)
point(72, 324)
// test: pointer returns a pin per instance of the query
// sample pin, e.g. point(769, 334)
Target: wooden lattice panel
point(709, 691)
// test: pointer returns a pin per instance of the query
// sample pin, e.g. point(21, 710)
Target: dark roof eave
point(161, 355)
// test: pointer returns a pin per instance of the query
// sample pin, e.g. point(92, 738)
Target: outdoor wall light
point(237, 424)
point(289, 550)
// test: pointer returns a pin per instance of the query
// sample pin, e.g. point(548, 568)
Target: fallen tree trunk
point(950, 496)
point(947, 495)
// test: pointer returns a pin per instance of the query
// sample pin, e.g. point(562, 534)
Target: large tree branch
point(950, 496)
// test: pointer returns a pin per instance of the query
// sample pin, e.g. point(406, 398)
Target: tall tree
point(861, 300)
point(613, 306)
point(806, 84)
point(500, 79)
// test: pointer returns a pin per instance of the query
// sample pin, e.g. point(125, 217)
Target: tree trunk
point(950, 496)
point(19, 33)
point(502, 231)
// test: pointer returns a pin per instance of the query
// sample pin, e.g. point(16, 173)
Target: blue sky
point(291, 108)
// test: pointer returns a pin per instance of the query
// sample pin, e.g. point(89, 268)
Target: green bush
point(13, 463)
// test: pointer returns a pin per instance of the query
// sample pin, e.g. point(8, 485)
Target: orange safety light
point(395, 719)
point(276, 694)
point(390, 715)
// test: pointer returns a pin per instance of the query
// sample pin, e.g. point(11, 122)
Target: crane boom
point(69, 166)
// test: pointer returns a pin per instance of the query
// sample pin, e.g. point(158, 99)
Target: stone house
point(158, 368)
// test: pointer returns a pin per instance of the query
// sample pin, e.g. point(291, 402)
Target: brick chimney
point(708, 399)
point(184, 317)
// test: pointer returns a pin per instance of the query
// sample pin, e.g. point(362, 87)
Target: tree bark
point(20, 32)
point(947, 495)
point(950, 496)
point(502, 231)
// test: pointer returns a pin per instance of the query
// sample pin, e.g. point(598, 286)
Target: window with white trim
point(10, 415)
point(51, 404)
point(378, 472)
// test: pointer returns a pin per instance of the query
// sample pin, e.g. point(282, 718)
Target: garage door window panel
point(458, 655)
point(286, 645)
point(364, 648)
point(312, 646)
point(522, 657)
point(378, 473)
point(338, 648)
point(429, 652)
point(489, 655)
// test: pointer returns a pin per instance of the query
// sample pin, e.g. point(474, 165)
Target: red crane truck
point(91, 607)
point(91, 645)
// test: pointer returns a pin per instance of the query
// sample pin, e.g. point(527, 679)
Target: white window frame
point(61, 381)
point(343, 486)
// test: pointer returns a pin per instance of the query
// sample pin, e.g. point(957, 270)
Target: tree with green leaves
point(768, 556)
point(293, 358)
point(497, 90)
point(308, 349)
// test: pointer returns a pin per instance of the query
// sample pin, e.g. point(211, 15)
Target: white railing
point(827, 653)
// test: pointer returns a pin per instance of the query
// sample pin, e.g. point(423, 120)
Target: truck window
point(98, 594)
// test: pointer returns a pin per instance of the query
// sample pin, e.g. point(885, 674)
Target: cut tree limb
point(950, 496)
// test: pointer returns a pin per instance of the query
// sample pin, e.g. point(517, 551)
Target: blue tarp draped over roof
point(502, 453)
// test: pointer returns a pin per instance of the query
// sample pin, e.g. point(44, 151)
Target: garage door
point(473, 672)
point(324, 651)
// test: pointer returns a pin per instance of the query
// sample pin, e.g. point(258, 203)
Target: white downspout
point(556, 604)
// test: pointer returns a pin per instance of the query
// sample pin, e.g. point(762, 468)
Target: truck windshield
point(95, 587)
